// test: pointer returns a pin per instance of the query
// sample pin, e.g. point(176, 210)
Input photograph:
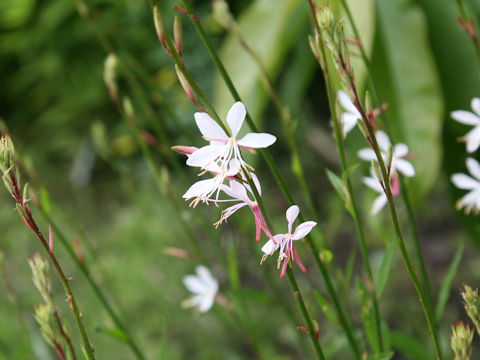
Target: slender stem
point(67, 338)
point(404, 188)
point(469, 28)
point(30, 222)
point(303, 310)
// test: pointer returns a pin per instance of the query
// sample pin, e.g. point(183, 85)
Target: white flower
point(472, 138)
point(284, 242)
point(238, 192)
point(351, 114)
point(373, 183)
point(399, 151)
point(204, 287)
point(471, 201)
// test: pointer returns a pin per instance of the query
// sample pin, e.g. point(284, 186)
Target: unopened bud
point(159, 24)
point(7, 152)
point(110, 75)
point(461, 341)
point(182, 149)
point(39, 266)
point(472, 305)
point(368, 102)
point(389, 156)
point(128, 108)
point(177, 34)
point(376, 171)
point(363, 128)
point(184, 83)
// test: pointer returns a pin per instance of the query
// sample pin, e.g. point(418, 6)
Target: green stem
point(473, 36)
point(404, 188)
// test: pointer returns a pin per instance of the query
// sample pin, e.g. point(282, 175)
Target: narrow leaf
point(326, 308)
point(368, 316)
point(338, 184)
point(384, 270)
point(409, 346)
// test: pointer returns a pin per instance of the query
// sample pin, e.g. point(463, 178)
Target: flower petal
point(257, 140)
point(348, 122)
point(303, 229)
point(270, 247)
point(473, 139)
point(347, 103)
point(373, 183)
point(382, 140)
point(367, 154)
point(378, 204)
point(291, 215)
point(239, 191)
point(193, 284)
point(400, 150)
point(235, 117)
point(465, 117)
point(463, 181)
point(197, 188)
point(473, 167)
point(206, 277)
point(206, 304)
point(405, 167)
point(205, 155)
point(476, 105)
point(209, 127)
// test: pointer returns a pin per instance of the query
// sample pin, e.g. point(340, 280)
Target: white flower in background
point(351, 114)
point(238, 192)
point(373, 183)
point(471, 201)
point(224, 148)
point(472, 138)
point(284, 242)
point(204, 287)
point(399, 151)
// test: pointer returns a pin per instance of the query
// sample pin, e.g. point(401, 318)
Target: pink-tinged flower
point(204, 287)
point(471, 201)
point(224, 148)
point(203, 190)
point(472, 138)
point(399, 151)
point(284, 242)
point(351, 115)
point(374, 183)
point(238, 192)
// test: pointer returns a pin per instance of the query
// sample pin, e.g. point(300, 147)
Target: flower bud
point(39, 266)
point(177, 34)
point(110, 75)
point(461, 341)
point(325, 17)
point(183, 81)
point(472, 305)
point(159, 24)
point(7, 152)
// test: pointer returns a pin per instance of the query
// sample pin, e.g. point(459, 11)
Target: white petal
point(465, 182)
point(382, 140)
point(367, 154)
point(235, 117)
point(205, 155)
point(348, 122)
point(256, 182)
point(207, 303)
point(465, 117)
point(476, 105)
point(291, 215)
point(378, 204)
point(303, 229)
point(239, 191)
point(234, 167)
point(400, 150)
point(257, 140)
point(473, 139)
point(197, 188)
point(373, 183)
point(405, 167)
point(473, 167)
point(194, 285)
point(347, 103)
point(209, 127)
point(270, 247)
point(206, 277)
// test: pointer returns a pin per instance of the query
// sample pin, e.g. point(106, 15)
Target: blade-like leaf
point(384, 270)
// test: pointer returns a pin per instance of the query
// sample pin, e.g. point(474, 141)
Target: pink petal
point(285, 263)
point(303, 230)
point(209, 127)
point(298, 261)
point(257, 140)
point(235, 117)
point(50, 239)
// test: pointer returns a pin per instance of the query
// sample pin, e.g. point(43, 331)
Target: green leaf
point(280, 23)
point(45, 201)
point(410, 347)
point(114, 333)
point(338, 185)
point(383, 356)
point(447, 283)
point(368, 316)
point(384, 270)
point(326, 308)
point(404, 69)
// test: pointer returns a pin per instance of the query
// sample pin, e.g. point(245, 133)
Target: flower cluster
point(232, 180)
point(471, 201)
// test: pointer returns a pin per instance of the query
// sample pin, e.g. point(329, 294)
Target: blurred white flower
point(399, 151)
point(471, 201)
point(204, 287)
point(284, 242)
point(351, 115)
point(472, 138)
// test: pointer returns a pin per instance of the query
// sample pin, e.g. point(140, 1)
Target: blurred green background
point(75, 144)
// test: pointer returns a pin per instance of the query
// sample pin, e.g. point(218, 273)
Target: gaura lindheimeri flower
point(472, 138)
point(373, 183)
point(399, 151)
point(238, 192)
point(284, 242)
point(224, 148)
point(204, 287)
point(351, 114)
point(471, 201)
